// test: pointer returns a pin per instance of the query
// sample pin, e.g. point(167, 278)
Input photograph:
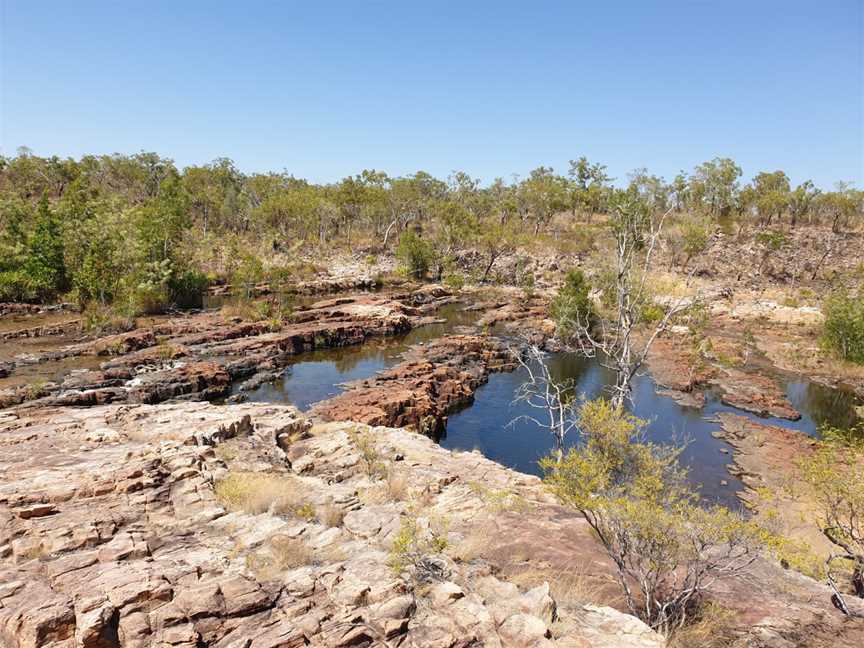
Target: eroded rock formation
point(124, 525)
point(199, 356)
point(113, 533)
point(430, 382)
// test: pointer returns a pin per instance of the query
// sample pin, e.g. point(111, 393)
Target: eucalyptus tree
point(801, 201)
point(771, 194)
point(410, 198)
point(590, 185)
point(545, 194)
point(714, 185)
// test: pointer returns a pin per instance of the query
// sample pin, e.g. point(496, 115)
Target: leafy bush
point(16, 286)
point(412, 546)
point(454, 281)
point(695, 235)
point(843, 333)
point(415, 254)
point(635, 497)
point(571, 308)
point(248, 272)
point(771, 239)
point(834, 475)
point(187, 289)
point(98, 318)
point(151, 299)
point(45, 266)
point(652, 313)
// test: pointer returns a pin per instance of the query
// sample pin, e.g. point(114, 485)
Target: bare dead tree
point(637, 234)
point(554, 400)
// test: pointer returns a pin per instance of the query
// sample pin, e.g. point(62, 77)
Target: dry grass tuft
point(331, 515)
point(472, 546)
point(259, 493)
point(370, 458)
point(713, 627)
point(393, 489)
point(281, 554)
point(397, 486)
point(572, 588)
point(226, 451)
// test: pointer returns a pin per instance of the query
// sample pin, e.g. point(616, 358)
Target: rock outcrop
point(116, 529)
point(200, 356)
point(191, 524)
point(432, 381)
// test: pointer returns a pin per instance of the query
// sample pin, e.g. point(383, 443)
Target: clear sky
point(324, 89)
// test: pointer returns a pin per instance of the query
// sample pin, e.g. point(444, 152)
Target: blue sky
point(492, 88)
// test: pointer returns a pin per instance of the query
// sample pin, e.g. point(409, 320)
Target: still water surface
point(487, 425)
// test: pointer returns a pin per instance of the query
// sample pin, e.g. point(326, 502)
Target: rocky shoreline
point(117, 531)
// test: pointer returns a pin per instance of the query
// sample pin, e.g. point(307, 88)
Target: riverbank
point(187, 522)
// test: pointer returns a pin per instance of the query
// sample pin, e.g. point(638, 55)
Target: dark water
point(486, 424)
point(319, 375)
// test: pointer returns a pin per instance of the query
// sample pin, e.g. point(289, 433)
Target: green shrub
point(45, 266)
point(415, 254)
point(187, 289)
point(413, 543)
point(16, 286)
point(695, 235)
point(248, 272)
point(571, 307)
point(771, 239)
point(843, 333)
point(151, 299)
point(455, 281)
point(99, 319)
point(652, 313)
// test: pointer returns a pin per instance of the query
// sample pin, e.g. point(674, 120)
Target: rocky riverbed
point(189, 524)
point(135, 513)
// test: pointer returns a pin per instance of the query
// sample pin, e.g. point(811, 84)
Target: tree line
point(103, 226)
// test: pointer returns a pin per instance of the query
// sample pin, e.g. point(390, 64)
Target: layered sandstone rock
point(199, 356)
point(429, 383)
point(112, 534)
point(117, 529)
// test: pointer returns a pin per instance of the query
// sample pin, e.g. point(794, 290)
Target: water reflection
point(319, 375)
point(486, 423)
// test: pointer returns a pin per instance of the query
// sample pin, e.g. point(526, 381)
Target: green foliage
point(152, 294)
point(454, 281)
point(248, 272)
point(571, 308)
point(98, 318)
point(415, 253)
point(843, 331)
point(95, 275)
point(187, 288)
point(834, 475)
point(413, 543)
point(45, 266)
point(96, 225)
point(16, 286)
point(695, 236)
point(652, 313)
point(714, 185)
point(771, 240)
point(635, 497)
